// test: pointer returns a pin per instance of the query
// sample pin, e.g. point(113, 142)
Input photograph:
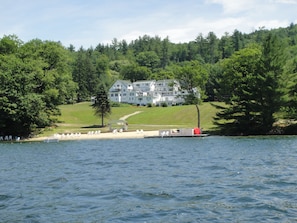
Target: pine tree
point(251, 87)
point(238, 89)
point(102, 105)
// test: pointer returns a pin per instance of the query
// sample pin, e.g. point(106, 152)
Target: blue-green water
point(213, 179)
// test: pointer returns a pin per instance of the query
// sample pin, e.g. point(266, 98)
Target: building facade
point(146, 92)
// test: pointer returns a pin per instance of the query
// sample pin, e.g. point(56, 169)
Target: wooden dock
point(175, 133)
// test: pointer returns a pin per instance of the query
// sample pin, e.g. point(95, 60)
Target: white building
point(146, 92)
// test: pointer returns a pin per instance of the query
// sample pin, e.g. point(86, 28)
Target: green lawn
point(80, 118)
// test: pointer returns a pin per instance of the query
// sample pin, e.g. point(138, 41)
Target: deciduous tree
point(35, 79)
point(135, 72)
point(193, 77)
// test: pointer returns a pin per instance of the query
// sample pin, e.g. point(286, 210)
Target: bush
point(164, 104)
point(115, 104)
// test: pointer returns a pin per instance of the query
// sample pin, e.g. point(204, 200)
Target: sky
point(87, 23)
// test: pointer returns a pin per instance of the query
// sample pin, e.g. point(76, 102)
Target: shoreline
point(106, 135)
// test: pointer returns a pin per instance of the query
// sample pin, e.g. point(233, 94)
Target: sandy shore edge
point(108, 135)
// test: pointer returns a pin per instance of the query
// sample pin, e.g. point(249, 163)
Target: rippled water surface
point(213, 179)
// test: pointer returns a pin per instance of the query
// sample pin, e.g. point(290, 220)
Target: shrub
point(115, 104)
point(164, 104)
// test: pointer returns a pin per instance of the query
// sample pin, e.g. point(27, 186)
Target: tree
point(290, 91)
point(9, 44)
point(21, 109)
point(270, 80)
point(179, 53)
point(237, 39)
point(238, 86)
point(165, 52)
point(212, 54)
point(59, 87)
point(101, 105)
point(164, 74)
point(102, 64)
point(202, 45)
point(35, 79)
point(134, 72)
point(84, 73)
point(52, 75)
point(148, 59)
point(212, 84)
point(251, 88)
point(192, 77)
point(226, 46)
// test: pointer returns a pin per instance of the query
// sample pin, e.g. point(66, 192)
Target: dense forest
point(255, 75)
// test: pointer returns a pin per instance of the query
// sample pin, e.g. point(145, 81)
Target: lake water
point(212, 179)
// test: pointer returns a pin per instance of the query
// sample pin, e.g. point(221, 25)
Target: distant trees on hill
point(241, 70)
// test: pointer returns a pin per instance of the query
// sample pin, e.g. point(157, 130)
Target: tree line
point(253, 74)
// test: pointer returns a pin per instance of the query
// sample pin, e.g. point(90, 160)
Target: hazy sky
point(90, 22)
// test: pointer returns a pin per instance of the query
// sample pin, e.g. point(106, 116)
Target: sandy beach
point(95, 135)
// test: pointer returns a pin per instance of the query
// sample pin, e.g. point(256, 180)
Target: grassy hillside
point(80, 118)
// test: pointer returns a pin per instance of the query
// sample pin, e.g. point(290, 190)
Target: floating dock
point(175, 133)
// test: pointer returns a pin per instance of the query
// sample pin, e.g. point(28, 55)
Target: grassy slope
point(178, 116)
point(80, 117)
